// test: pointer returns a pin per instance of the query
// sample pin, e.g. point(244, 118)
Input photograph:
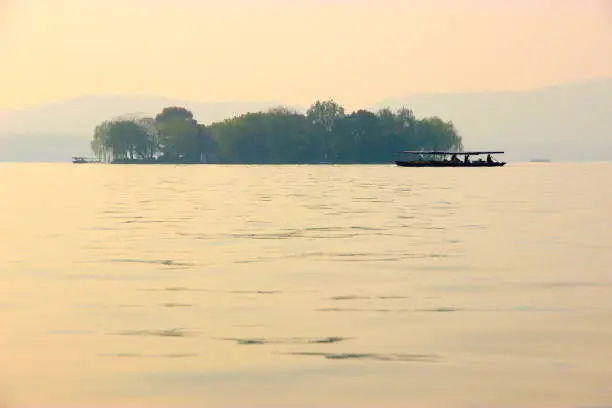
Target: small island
point(324, 134)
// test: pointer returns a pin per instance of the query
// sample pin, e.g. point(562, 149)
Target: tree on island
point(173, 136)
point(276, 136)
point(325, 115)
point(181, 137)
point(125, 138)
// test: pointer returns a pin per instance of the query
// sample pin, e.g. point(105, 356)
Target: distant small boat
point(80, 160)
point(539, 160)
point(440, 159)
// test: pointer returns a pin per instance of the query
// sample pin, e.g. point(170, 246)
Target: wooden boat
point(81, 160)
point(413, 158)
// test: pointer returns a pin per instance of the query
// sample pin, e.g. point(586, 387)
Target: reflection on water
point(323, 286)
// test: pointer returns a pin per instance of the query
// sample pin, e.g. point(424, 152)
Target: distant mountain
point(569, 122)
point(81, 115)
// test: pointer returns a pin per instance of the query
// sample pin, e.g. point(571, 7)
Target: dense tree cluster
point(325, 133)
point(172, 136)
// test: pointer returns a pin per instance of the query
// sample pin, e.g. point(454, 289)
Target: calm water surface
point(326, 286)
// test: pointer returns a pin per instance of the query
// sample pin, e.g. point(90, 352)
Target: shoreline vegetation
point(324, 134)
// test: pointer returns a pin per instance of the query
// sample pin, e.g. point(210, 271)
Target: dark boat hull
point(85, 162)
point(447, 164)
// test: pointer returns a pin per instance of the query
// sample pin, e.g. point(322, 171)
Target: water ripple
point(177, 332)
point(165, 262)
point(138, 355)
point(289, 340)
point(370, 356)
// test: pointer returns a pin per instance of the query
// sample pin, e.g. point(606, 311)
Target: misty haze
point(568, 122)
point(324, 204)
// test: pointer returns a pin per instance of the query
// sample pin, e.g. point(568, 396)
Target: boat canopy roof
point(447, 152)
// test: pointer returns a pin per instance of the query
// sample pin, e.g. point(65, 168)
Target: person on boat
point(454, 158)
point(467, 159)
point(489, 159)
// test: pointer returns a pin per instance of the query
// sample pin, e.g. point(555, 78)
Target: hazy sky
point(295, 51)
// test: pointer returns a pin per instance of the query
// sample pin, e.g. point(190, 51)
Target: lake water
point(309, 286)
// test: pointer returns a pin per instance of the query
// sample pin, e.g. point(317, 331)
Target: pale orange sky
point(355, 51)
